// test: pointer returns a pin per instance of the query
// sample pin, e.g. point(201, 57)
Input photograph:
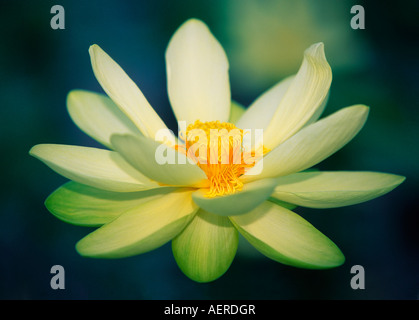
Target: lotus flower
point(200, 202)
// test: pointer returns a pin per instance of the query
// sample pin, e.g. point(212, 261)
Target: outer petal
point(285, 237)
point(86, 206)
point(252, 195)
point(197, 74)
point(143, 153)
point(140, 229)
point(206, 248)
point(304, 98)
point(334, 189)
point(125, 93)
point(312, 144)
point(98, 116)
point(97, 168)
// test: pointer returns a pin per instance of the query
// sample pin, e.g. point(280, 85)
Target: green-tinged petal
point(261, 111)
point(158, 161)
point(197, 74)
point(86, 206)
point(98, 116)
point(334, 189)
point(124, 92)
point(239, 202)
point(206, 248)
point(285, 237)
point(304, 100)
point(94, 167)
point(140, 229)
point(236, 111)
point(311, 144)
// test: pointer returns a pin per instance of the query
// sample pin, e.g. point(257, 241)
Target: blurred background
point(264, 41)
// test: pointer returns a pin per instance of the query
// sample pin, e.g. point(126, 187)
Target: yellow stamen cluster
point(216, 147)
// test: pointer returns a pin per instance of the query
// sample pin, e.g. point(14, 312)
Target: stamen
point(217, 149)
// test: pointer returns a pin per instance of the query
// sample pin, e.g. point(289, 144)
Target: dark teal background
point(377, 66)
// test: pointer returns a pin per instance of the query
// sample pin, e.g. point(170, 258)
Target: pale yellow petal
point(142, 228)
point(97, 168)
point(311, 145)
point(245, 200)
point(98, 116)
point(158, 161)
point(304, 100)
point(125, 93)
point(285, 237)
point(206, 248)
point(87, 206)
point(197, 74)
point(260, 112)
point(334, 189)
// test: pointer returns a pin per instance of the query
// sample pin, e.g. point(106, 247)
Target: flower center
point(218, 149)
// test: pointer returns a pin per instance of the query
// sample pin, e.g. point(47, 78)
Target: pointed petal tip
point(398, 180)
point(190, 25)
point(80, 249)
point(316, 46)
point(31, 151)
point(93, 47)
point(95, 51)
point(363, 106)
point(194, 22)
point(83, 250)
point(36, 150)
point(72, 96)
point(334, 263)
point(359, 108)
point(335, 260)
point(363, 110)
point(402, 179)
point(74, 92)
point(316, 49)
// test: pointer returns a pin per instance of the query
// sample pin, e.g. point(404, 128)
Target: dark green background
point(377, 66)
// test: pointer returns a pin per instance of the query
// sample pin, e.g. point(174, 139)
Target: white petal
point(124, 92)
point(304, 100)
point(98, 116)
point(311, 145)
point(334, 189)
point(98, 168)
point(197, 74)
point(143, 154)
